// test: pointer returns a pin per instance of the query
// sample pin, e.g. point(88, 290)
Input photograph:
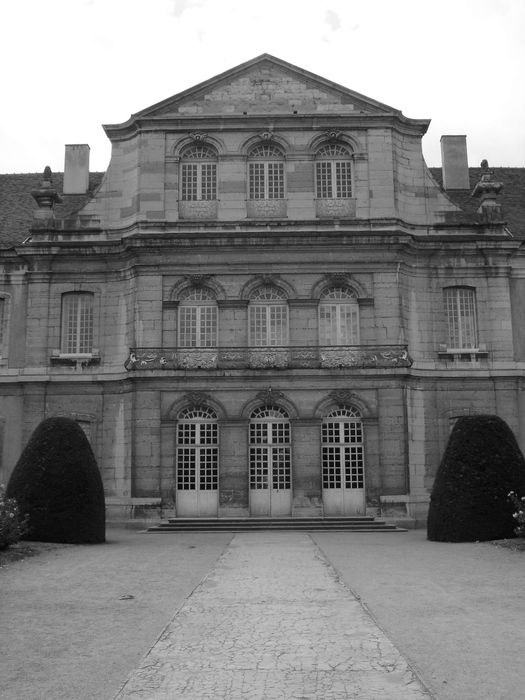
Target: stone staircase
point(327, 524)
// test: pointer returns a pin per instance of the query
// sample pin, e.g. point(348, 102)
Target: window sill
point(462, 354)
point(75, 359)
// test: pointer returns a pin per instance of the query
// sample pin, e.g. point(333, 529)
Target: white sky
point(69, 66)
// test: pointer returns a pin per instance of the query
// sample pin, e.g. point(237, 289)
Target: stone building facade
point(268, 304)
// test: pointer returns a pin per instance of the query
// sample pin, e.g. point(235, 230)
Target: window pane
point(189, 181)
point(277, 325)
point(208, 326)
point(256, 178)
point(343, 175)
point(275, 180)
point(324, 180)
point(208, 180)
point(188, 326)
point(258, 325)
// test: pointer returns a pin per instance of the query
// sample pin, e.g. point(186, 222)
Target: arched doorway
point(343, 462)
point(270, 462)
point(197, 463)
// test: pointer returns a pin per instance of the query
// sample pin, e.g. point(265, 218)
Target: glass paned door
point(197, 464)
point(343, 463)
point(270, 463)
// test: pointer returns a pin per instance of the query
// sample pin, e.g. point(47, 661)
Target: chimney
point(455, 163)
point(76, 169)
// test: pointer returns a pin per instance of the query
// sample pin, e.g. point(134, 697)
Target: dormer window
point(333, 172)
point(198, 173)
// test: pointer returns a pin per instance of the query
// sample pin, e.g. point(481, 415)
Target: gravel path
point(76, 621)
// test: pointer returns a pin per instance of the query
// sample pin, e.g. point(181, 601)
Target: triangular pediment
point(265, 85)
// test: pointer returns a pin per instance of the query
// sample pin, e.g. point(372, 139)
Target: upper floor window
point(339, 317)
point(266, 172)
point(268, 317)
point(77, 323)
point(333, 172)
point(460, 306)
point(197, 319)
point(198, 173)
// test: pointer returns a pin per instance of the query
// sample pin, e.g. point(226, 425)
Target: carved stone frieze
point(191, 359)
point(266, 359)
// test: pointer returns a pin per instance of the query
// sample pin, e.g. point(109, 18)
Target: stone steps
point(335, 524)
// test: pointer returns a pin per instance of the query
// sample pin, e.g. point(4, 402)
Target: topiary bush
point(57, 483)
point(482, 463)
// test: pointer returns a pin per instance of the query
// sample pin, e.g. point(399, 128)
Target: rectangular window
point(266, 180)
point(77, 323)
point(333, 179)
point(338, 324)
point(460, 306)
point(268, 325)
point(199, 181)
point(197, 326)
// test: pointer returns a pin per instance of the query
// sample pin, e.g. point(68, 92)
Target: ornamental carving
point(266, 135)
point(269, 396)
point(338, 279)
point(266, 359)
point(196, 398)
point(365, 359)
point(192, 359)
point(342, 397)
point(198, 136)
point(333, 134)
point(197, 280)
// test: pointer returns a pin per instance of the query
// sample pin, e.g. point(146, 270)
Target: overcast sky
point(69, 66)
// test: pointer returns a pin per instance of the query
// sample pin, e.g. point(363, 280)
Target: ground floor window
point(197, 450)
point(270, 449)
point(342, 450)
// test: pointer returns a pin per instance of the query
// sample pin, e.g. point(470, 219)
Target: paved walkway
point(273, 621)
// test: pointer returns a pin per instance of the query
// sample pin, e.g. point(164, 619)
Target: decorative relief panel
point(364, 358)
point(335, 208)
point(266, 208)
point(198, 209)
point(302, 357)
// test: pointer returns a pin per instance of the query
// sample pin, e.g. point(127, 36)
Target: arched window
point(342, 449)
point(197, 318)
point(197, 450)
point(268, 312)
point(198, 173)
point(339, 317)
point(265, 172)
point(270, 449)
point(460, 307)
point(77, 323)
point(333, 172)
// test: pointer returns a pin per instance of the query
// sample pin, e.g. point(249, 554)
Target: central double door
point(270, 463)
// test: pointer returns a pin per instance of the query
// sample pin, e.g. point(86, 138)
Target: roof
point(17, 204)
point(511, 197)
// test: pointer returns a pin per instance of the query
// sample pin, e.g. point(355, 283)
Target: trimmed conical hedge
point(57, 483)
point(469, 500)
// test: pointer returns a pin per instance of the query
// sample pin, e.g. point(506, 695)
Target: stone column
point(306, 467)
point(233, 468)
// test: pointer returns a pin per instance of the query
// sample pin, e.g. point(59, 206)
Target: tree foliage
point(57, 483)
point(482, 463)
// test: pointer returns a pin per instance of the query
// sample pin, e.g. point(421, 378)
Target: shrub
point(57, 483)
point(519, 513)
point(12, 525)
point(481, 464)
